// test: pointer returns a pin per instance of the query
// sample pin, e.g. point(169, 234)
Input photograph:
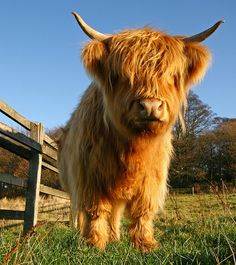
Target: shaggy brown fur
point(108, 160)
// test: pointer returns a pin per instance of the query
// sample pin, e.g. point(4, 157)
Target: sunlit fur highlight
point(106, 163)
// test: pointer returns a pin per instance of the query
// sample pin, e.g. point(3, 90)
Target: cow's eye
point(113, 79)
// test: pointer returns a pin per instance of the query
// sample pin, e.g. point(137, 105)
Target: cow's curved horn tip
point(218, 23)
point(74, 13)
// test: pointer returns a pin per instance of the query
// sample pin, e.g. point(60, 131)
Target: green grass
point(199, 229)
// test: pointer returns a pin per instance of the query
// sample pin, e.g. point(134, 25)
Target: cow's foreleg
point(142, 210)
point(142, 233)
point(115, 219)
point(97, 230)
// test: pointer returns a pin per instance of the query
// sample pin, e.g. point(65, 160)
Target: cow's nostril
point(160, 105)
point(142, 106)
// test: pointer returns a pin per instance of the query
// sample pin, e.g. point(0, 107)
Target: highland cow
point(115, 151)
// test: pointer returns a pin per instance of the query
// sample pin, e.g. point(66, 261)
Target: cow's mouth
point(147, 123)
point(147, 120)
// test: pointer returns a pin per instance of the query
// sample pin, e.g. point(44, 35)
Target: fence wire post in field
point(33, 187)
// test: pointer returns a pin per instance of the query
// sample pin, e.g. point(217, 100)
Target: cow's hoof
point(97, 242)
point(146, 246)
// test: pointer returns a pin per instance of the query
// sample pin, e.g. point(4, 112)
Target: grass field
point(194, 229)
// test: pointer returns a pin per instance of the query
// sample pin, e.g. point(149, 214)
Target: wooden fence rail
point(41, 151)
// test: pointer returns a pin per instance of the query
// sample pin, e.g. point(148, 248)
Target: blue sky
point(41, 74)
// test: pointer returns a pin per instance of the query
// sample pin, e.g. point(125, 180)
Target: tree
point(185, 168)
point(198, 118)
point(218, 152)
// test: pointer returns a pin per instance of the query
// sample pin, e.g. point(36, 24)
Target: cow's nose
point(151, 108)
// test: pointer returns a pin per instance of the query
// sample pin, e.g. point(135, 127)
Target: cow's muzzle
point(150, 110)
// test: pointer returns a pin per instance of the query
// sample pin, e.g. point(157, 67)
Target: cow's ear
point(94, 56)
point(198, 59)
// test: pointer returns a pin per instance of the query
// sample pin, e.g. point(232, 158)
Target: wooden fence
point(41, 151)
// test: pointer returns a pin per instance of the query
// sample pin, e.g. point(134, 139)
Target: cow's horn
point(92, 33)
point(203, 35)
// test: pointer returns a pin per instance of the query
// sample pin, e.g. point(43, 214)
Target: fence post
point(33, 187)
